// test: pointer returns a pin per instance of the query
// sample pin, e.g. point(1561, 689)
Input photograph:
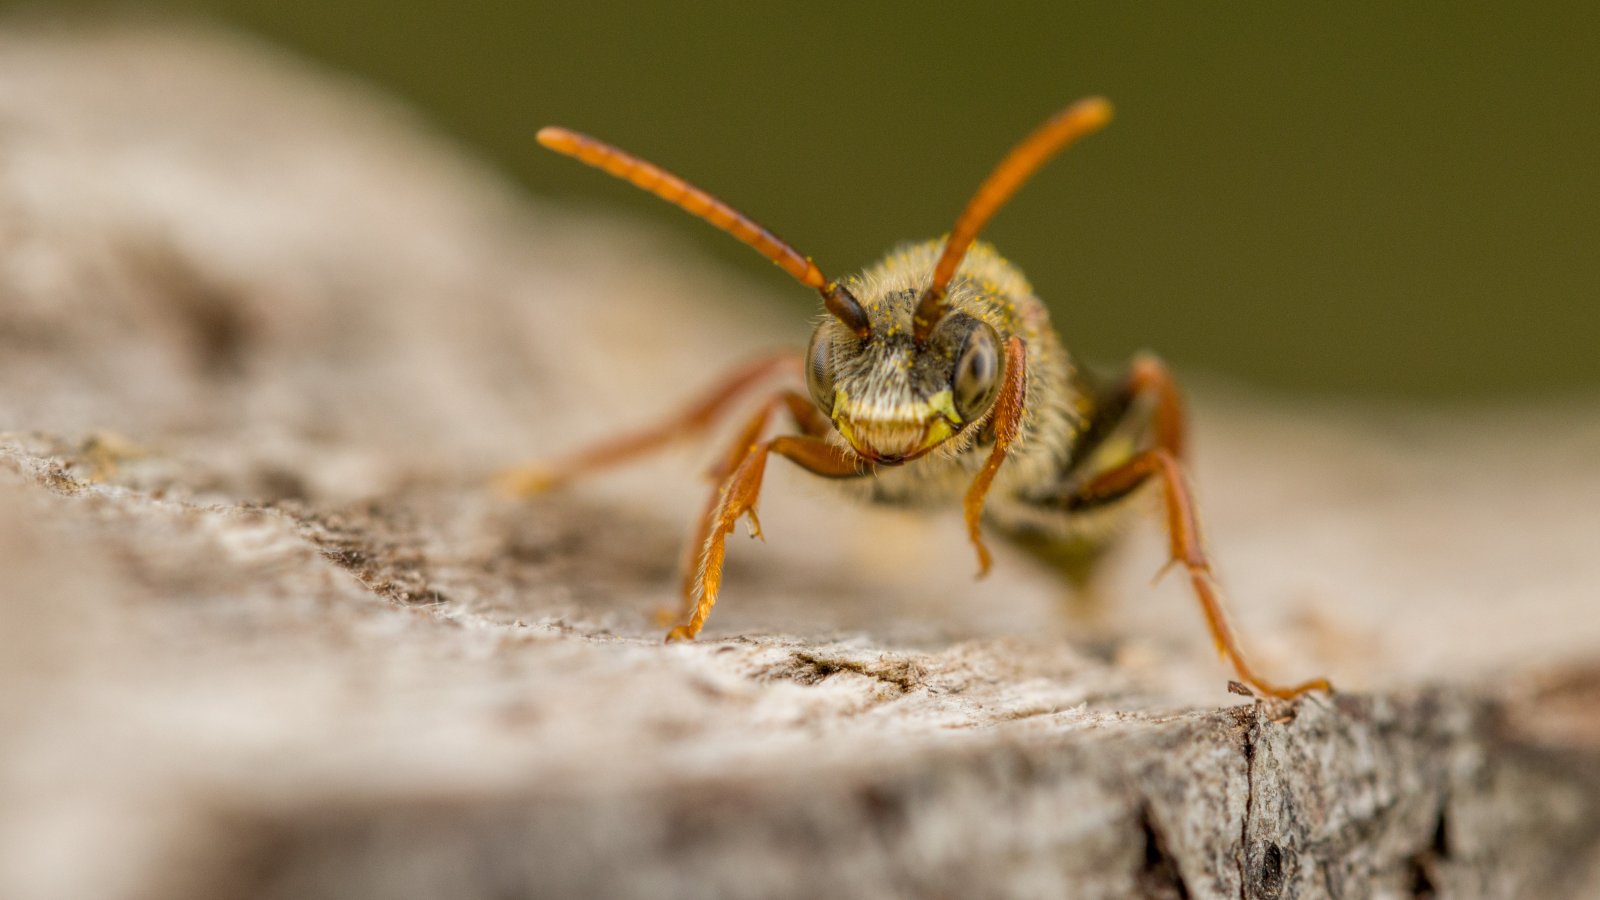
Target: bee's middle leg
point(1186, 550)
point(1099, 490)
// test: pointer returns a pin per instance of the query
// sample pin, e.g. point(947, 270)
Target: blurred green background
point(1388, 202)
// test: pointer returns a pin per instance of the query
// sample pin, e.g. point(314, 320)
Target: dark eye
point(819, 371)
point(977, 375)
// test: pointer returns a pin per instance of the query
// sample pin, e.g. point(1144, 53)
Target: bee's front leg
point(810, 422)
point(740, 487)
point(693, 419)
point(1006, 422)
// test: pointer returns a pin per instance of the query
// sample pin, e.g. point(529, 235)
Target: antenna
point(697, 202)
point(1081, 118)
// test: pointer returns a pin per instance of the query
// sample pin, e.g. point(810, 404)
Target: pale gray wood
point(267, 634)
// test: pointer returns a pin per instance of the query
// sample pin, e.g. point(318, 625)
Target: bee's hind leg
point(691, 420)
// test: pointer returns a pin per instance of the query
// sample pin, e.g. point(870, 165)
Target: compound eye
point(977, 376)
point(819, 371)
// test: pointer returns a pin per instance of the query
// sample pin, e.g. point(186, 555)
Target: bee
point(933, 376)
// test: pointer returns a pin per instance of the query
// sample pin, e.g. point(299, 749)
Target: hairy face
point(893, 401)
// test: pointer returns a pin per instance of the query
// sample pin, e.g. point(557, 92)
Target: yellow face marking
point(849, 433)
point(939, 431)
point(875, 430)
point(943, 404)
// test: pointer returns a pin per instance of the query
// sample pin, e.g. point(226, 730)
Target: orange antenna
point(696, 202)
point(1084, 117)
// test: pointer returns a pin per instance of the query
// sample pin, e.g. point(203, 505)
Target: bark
point(269, 635)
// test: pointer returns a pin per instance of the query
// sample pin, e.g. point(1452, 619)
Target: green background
point(1388, 202)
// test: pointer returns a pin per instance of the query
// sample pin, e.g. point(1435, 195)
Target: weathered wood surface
point(265, 634)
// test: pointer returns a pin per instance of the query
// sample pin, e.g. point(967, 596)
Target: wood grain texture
point(267, 635)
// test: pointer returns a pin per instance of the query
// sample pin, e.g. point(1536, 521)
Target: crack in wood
point(1159, 877)
point(1249, 748)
